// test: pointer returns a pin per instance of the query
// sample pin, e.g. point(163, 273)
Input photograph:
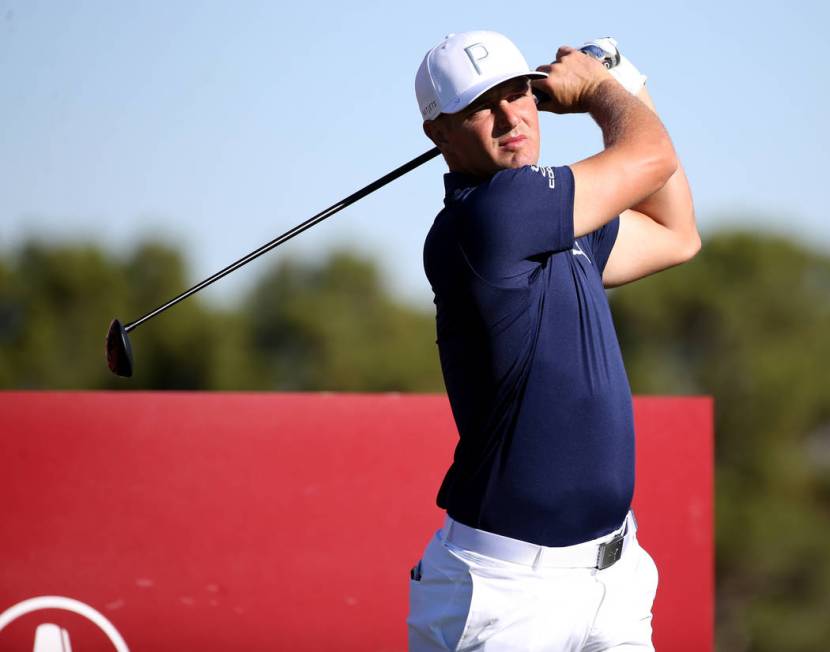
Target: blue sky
point(220, 125)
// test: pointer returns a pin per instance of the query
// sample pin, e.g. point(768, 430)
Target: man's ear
point(435, 132)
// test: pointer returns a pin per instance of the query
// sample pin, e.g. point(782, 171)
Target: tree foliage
point(748, 322)
point(334, 327)
point(331, 326)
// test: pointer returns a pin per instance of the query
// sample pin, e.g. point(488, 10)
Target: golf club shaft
point(319, 217)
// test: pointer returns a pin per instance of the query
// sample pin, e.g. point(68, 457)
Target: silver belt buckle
point(610, 552)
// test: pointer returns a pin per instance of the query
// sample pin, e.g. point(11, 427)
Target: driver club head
point(119, 351)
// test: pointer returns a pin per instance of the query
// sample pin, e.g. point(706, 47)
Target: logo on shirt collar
point(545, 171)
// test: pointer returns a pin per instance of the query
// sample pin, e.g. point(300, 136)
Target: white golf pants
point(465, 600)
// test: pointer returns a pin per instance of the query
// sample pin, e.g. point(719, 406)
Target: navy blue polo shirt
point(530, 359)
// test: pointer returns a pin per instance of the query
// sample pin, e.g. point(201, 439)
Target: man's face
point(500, 130)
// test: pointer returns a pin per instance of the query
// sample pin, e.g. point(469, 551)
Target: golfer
point(539, 548)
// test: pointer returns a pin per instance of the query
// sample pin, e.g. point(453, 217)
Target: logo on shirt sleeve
point(577, 251)
point(546, 171)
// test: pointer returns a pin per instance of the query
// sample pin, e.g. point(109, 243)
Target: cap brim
point(473, 93)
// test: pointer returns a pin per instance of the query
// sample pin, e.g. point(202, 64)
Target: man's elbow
point(661, 164)
point(667, 162)
point(689, 246)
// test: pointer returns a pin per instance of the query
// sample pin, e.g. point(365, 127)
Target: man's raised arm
point(656, 233)
point(638, 158)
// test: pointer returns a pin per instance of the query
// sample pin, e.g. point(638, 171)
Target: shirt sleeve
point(602, 242)
point(515, 217)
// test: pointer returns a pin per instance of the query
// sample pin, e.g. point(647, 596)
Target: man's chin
point(515, 161)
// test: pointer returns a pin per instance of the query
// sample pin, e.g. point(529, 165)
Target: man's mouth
point(512, 143)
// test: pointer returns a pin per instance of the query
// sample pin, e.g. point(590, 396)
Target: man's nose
point(506, 116)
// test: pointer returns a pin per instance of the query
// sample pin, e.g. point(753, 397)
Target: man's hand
point(571, 82)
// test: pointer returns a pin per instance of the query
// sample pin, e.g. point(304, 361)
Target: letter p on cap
point(476, 52)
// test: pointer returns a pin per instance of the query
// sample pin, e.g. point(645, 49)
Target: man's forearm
point(630, 128)
point(624, 121)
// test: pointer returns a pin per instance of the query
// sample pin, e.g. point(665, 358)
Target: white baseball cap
point(462, 67)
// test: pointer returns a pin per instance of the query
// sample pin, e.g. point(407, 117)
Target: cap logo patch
point(476, 52)
point(428, 108)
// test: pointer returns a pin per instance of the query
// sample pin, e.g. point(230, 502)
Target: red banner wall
point(281, 521)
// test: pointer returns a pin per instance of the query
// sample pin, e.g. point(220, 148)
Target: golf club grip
point(315, 219)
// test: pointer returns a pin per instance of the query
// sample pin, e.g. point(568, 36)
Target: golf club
point(119, 351)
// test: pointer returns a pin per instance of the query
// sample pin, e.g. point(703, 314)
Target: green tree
point(330, 326)
point(56, 302)
point(191, 346)
point(48, 297)
point(748, 321)
point(334, 327)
